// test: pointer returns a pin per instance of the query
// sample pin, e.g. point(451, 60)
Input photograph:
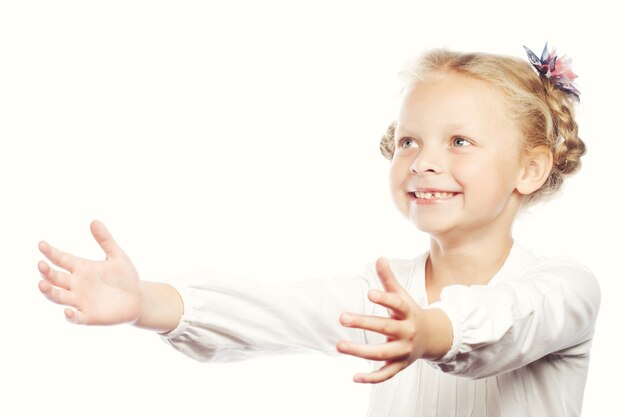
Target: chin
point(426, 227)
point(433, 228)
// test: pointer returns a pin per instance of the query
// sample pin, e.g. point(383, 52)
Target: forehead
point(453, 100)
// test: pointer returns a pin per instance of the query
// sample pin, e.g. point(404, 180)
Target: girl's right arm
point(109, 291)
point(225, 318)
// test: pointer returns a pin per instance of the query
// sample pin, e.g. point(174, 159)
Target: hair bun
point(387, 145)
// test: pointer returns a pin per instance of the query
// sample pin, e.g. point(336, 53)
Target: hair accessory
point(555, 69)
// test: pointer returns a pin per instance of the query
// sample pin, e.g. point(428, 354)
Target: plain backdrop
point(243, 137)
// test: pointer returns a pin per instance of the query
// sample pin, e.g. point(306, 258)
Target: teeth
point(433, 195)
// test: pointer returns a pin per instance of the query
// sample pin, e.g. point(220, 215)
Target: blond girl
point(475, 326)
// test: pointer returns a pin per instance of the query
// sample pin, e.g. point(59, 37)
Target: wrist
point(161, 307)
point(438, 333)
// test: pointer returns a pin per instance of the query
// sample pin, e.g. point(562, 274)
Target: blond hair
point(544, 113)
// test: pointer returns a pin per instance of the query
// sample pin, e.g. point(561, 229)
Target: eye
point(407, 143)
point(460, 142)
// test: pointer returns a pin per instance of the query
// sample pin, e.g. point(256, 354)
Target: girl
point(476, 326)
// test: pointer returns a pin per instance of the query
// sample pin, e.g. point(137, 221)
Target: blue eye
point(407, 142)
point(460, 142)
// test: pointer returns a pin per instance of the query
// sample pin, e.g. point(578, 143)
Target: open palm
point(96, 292)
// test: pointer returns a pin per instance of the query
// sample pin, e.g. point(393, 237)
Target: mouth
point(431, 196)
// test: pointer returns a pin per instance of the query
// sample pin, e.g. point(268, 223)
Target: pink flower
point(556, 69)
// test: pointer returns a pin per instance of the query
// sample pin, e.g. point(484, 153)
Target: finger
point(391, 301)
point(105, 240)
point(382, 352)
point(382, 374)
point(55, 294)
point(57, 278)
point(59, 258)
point(389, 281)
point(75, 316)
point(383, 325)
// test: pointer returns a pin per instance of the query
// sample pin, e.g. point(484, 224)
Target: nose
point(427, 162)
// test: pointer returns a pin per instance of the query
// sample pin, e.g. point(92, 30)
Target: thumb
point(389, 281)
point(105, 240)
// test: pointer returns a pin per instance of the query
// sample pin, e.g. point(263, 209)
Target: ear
point(536, 167)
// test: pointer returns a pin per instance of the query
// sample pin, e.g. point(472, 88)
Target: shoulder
point(562, 271)
point(526, 262)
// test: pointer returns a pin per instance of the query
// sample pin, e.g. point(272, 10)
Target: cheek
point(488, 184)
point(472, 174)
point(481, 178)
point(397, 175)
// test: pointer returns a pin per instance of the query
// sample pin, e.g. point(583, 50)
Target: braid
point(561, 135)
point(568, 148)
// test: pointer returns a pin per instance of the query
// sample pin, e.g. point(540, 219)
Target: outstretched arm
point(492, 329)
point(412, 332)
point(108, 291)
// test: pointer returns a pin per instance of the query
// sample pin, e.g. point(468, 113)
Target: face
point(457, 158)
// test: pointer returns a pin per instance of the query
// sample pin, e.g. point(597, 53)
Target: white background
point(244, 138)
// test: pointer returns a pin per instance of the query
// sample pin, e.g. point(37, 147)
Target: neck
point(470, 256)
point(467, 262)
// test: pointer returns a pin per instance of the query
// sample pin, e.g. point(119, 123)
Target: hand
point(407, 336)
point(99, 292)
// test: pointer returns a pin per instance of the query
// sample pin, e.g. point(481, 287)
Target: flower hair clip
point(555, 69)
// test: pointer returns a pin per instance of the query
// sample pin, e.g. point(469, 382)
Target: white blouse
point(520, 343)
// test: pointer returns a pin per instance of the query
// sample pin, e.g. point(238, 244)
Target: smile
point(430, 198)
point(430, 195)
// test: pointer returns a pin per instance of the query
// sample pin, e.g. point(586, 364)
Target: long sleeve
point(549, 308)
point(228, 319)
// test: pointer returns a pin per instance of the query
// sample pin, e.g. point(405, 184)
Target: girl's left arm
point(552, 309)
point(478, 331)
point(412, 332)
